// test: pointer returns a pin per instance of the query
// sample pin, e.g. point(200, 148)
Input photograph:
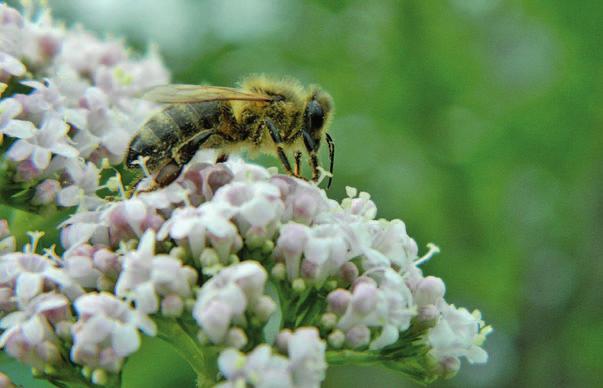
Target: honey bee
point(264, 115)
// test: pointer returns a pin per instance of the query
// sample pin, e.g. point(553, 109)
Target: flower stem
point(171, 331)
point(342, 357)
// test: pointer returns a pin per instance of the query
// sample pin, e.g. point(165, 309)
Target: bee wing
point(179, 93)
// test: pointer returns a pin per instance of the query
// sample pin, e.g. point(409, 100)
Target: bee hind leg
point(298, 156)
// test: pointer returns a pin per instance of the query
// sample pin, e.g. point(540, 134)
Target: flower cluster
point(304, 367)
point(258, 273)
point(69, 107)
point(234, 228)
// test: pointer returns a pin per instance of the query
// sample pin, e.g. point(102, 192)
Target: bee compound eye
point(316, 115)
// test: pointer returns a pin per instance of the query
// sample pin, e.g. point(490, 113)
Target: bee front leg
point(311, 148)
point(276, 137)
point(222, 158)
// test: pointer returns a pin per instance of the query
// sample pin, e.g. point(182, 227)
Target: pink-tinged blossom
point(81, 184)
point(92, 85)
point(7, 241)
point(146, 277)
point(29, 334)
point(305, 365)
point(209, 224)
point(46, 192)
point(129, 219)
point(306, 352)
point(256, 207)
point(223, 299)
point(48, 141)
point(260, 368)
point(386, 304)
point(30, 274)
point(106, 331)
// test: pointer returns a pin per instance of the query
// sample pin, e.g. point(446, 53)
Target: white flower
point(458, 333)
point(11, 65)
point(225, 297)
point(146, 277)
point(384, 302)
point(307, 357)
point(303, 201)
point(256, 207)
point(326, 250)
point(9, 109)
point(7, 241)
point(107, 331)
point(209, 223)
point(89, 83)
point(129, 219)
point(29, 274)
point(50, 139)
point(29, 335)
point(83, 183)
point(259, 368)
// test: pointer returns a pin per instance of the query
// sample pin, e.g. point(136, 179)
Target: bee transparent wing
point(178, 93)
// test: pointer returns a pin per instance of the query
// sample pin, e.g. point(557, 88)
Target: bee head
point(317, 117)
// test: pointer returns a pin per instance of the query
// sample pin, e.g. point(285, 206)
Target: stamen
point(142, 162)
point(35, 239)
point(433, 250)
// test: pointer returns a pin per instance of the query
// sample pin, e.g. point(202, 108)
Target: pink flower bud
point(338, 301)
point(429, 290)
point(172, 306)
point(364, 298)
point(358, 336)
point(282, 340)
point(349, 272)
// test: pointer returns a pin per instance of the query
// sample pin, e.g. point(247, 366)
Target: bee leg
point(168, 173)
point(222, 158)
point(276, 137)
point(311, 148)
point(298, 156)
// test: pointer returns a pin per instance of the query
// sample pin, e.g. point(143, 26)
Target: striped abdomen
point(173, 127)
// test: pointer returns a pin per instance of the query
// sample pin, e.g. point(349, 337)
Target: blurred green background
point(477, 122)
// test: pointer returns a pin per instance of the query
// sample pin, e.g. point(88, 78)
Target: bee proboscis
point(265, 115)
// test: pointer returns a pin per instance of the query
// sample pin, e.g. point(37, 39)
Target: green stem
point(341, 357)
point(171, 331)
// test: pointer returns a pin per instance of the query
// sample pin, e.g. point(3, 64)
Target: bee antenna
point(331, 145)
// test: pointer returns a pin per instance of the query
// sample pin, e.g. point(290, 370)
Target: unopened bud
point(279, 271)
point(336, 339)
point(429, 291)
point(99, 377)
point(358, 336)
point(328, 321)
point(349, 272)
point(209, 257)
point(172, 306)
point(338, 301)
point(178, 252)
point(299, 285)
point(236, 338)
point(264, 308)
point(282, 340)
